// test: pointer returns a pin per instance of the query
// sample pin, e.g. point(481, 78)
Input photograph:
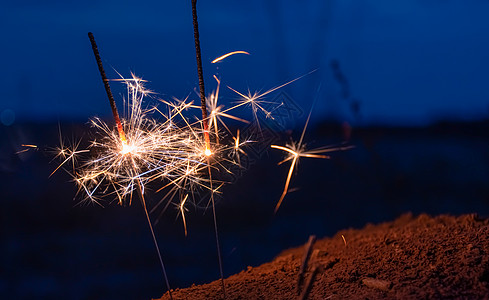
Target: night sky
point(406, 62)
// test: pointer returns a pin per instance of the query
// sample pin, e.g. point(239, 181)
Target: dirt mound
point(410, 258)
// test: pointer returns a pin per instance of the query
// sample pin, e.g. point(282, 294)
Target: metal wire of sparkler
point(127, 150)
point(206, 131)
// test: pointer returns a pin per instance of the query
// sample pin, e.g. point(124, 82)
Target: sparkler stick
point(216, 233)
point(205, 122)
point(107, 88)
point(127, 149)
point(143, 201)
point(201, 75)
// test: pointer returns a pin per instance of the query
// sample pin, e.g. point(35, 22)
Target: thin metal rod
point(200, 72)
point(107, 87)
point(143, 201)
point(123, 139)
point(218, 245)
point(205, 125)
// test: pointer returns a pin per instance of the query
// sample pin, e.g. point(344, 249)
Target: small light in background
point(7, 117)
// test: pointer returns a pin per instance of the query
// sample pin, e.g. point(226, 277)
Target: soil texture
point(421, 257)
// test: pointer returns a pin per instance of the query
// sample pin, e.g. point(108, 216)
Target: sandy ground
point(419, 257)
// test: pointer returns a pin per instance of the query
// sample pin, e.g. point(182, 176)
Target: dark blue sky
point(406, 61)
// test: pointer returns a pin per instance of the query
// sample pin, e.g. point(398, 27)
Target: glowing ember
point(227, 55)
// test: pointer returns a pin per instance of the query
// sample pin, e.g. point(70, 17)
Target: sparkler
point(123, 160)
point(144, 150)
point(206, 131)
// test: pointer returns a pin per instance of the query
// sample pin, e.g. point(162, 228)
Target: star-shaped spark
point(296, 150)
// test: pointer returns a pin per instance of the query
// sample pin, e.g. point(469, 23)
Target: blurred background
point(405, 82)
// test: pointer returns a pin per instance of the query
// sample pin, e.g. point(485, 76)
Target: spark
point(227, 55)
point(297, 150)
point(257, 102)
point(27, 148)
point(216, 114)
point(67, 154)
point(238, 148)
point(182, 211)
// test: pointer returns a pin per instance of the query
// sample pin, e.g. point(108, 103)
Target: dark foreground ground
point(420, 257)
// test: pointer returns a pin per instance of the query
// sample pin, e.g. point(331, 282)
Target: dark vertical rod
point(143, 202)
point(217, 235)
point(200, 72)
point(107, 87)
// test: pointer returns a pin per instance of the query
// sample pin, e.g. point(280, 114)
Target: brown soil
point(410, 258)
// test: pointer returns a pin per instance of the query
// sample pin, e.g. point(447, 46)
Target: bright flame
point(126, 148)
point(208, 152)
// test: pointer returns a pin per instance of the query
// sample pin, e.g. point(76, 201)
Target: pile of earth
point(411, 258)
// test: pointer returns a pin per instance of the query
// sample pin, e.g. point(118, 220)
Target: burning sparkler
point(143, 150)
point(126, 164)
